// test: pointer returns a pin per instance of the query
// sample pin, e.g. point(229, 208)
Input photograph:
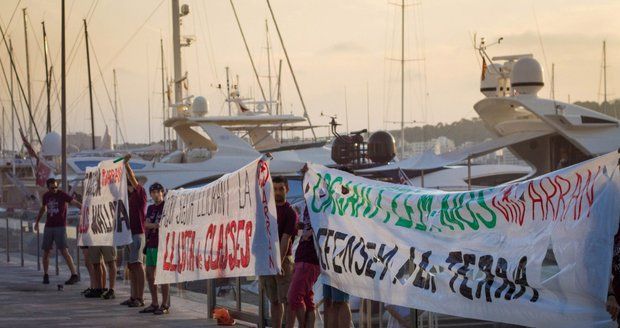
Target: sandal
point(162, 310)
point(149, 309)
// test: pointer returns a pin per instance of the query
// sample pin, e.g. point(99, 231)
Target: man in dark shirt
point(137, 212)
point(55, 231)
point(276, 287)
point(153, 216)
point(300, 294)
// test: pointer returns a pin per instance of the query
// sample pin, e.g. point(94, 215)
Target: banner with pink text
point(225, 229)
point(104, 219)
point(534, 253)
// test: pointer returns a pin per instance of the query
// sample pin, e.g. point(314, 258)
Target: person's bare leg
point(103, 274)
point(97, 274)
point(89, 267)
point(140, 280)
point(165, 295)
point(69, 260)
point(276, 314)
point(111, 273)
point(329, 314)
point(343, 314)
point(290, 318)
point(133, 280)
point(46, 260)
point(310, 318)
point(150, 277)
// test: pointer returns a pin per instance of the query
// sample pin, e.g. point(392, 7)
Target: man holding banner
point(104, 223)
point(137, 212)
point(277, 287)
point(55, 231)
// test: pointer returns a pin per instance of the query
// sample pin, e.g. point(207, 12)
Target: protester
point(614, 286)
point(153, 216)
point(276, 287)
point(400, 316)
point(55, 231)
point(300, 295)
point(91, 274)
point(137, 207)
point(95, 254)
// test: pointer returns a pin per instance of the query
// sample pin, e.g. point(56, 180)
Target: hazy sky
point(333, 45)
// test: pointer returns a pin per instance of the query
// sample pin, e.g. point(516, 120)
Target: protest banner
point(225, 229)
point(104, 219)
point(535, 253)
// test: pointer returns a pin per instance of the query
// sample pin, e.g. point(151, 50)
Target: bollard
point(38, 251)
point(238, 296)
point(8, 257)
point(57, 270)
point(21, 238)
point(77, 252)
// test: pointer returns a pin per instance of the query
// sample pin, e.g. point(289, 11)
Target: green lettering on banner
point(457, 211)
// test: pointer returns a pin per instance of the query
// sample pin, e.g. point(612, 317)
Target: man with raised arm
point(55, 231)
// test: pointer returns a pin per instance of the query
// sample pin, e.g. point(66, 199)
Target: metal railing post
point(210, 298)
point(38, 249)
point(8, 257)
point(238, 294)
point(21, 238)
point(77, 251)
point(261, 307)
point(57, 270)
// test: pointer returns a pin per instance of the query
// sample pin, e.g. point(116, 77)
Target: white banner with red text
point(104, 219)
point(225, 229)
point(534, 253)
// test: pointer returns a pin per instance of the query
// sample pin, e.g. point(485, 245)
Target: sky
point(344, 54)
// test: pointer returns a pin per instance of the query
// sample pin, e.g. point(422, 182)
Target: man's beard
point(279, 199)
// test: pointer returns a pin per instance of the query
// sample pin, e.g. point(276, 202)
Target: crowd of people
point(141, 252)
point(290, 293)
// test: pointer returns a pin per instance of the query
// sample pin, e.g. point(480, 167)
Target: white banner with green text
point(535, 253)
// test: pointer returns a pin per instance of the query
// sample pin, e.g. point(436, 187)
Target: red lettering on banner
point(245, 258)
point(263, 177)
point(221, 251)
point(532, 191)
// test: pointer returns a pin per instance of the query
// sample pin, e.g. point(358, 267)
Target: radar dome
point(381, 147)
point(51, 145)
point(489, 82)
point(527, 76)
point(200, 107)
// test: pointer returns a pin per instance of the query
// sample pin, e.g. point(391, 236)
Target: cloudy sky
point(336, 48)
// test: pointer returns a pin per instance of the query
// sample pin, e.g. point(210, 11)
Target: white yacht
point(547, 134)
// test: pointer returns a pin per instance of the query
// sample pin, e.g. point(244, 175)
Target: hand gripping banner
point(225, 229)
point(104, 219)
point(535, 253)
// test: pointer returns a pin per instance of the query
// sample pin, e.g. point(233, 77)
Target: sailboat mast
point(269, 65)
point(605, 77)
point(290, 66)
point(176, 52)
point(115, 107)
point(63, 101)
point(14, 109)
point(90, 88)
point(228, 90)
point(48, 125)
point(163, 91)
point(29, 89)
point(402, 81)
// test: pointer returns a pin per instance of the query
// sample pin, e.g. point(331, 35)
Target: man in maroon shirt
point(276, 287)
point(300, 294)
point(137, 216)
point(55, 231)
